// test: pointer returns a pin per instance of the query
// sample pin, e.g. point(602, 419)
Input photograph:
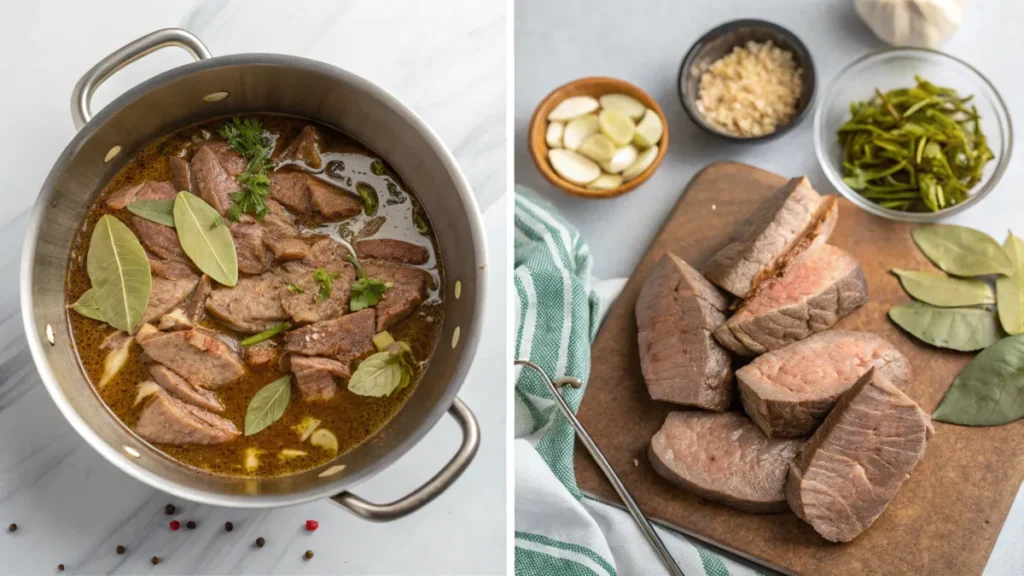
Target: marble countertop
point(71, 505)
point(644, 43)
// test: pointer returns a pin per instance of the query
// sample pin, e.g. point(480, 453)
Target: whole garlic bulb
point(924, 23)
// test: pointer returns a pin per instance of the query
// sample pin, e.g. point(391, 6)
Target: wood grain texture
point(947, 516)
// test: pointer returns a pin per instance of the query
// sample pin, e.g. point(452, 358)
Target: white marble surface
point(446, 61)
point(644, 42)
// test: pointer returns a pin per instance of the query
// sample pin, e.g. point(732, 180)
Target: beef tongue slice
point(304, 148)
point(345, 338)
point(812, 295)
point(159, 239)
point(333, 203)
point(724, 458)
point(167, 420)
point(212, 177)
point(200, 358)
point(407, 291)
point(681, 362)
point(145, 191)
point(183, 390)
point(843, 477)
point(181, 176)
point(314, 376)
point(166, 295)
point(252, 305)
point(392, 250)
point(250, 250)
point(789, 391)
point(303, 300)
point(781, 227)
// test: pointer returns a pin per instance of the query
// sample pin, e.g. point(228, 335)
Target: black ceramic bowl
point(718, 42)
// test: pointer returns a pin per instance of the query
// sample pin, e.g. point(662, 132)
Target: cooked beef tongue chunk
point(723, 457)
point(180, 388)
point(314, 376)
point(813, 294)
point(198, 357)
point(193, 309)
point(159, 239)
point(291, 189)
point(175, 320)
point(305, 148)
point(144, 191)
point(261, 355)
point(211, 180)
point(252, 305)
point(171, 269)
point(251, 254)
point(181, 177)
point(764, 238)
point(302, 300)
point(392, 250)
point(333, 203)
point(346, 338)
point(847, 473)
point(789, 391)
point(407, 291)
point(675, 313)
point(167, 420)
point(166, 295)
point(281, 235)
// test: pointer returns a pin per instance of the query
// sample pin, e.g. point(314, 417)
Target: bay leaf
point(962, 251)
point(268, 405)
point(205, 239)
point(1010, 289)
point(86, 306)
point(963, 329)
point(159, 211)
point(119, 273)
point(990, 390)
point(939, 289)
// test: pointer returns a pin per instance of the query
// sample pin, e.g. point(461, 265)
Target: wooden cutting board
point(947, 516)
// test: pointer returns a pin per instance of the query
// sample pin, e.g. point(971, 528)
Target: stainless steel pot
point(238, 84)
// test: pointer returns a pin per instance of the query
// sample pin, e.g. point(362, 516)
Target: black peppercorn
point(229, 526)
point(169, 509)
point(154, 560)
point(13, 527)
point(120, 549)
point(260, 541)
point(308, 555)
point(60, 567)
point(190, 525)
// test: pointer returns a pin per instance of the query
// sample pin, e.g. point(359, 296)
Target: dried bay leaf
point(962, 251)
point(268, 405)
point(119, 273)
point(963, 329)
point(159, 211)
point(1010, 289)
point(86, 306)
point(205, 238)
point(990, 390)
point(939, 289)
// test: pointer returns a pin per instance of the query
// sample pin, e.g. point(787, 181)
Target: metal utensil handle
point(638, 516)
point(433, 487)
point(81, 96)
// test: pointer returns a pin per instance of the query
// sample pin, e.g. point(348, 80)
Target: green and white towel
point(559, 308)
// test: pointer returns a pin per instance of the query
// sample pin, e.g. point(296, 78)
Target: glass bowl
point(895, 68)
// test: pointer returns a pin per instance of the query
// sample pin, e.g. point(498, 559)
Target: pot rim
point(36, 337)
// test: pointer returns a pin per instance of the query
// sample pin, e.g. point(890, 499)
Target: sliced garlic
point(597, 147)
point(306, 427)
point(146, 389)
point(623, 158)
point(643, 162)
point(323, 438)
point(577, 130)
point(623, 103)
point(574, 167)
point(382, 340)
point(617, 126)
point(649, 130)
point(606, 182)
point(115, 360)
point(554, 134)
point(252, 459)
point(573, 108)
point(289, 453)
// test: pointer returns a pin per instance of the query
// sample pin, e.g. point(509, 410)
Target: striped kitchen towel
point(558, 311)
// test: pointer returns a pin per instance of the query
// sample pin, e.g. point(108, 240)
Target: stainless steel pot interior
point(266, 83)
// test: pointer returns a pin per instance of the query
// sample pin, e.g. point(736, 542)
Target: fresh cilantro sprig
point(365, 291)
point(251, 141)
point(324, 278)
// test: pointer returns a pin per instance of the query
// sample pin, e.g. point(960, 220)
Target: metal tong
point(638, 516)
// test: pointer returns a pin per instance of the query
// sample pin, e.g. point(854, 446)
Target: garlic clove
point(643, 162)
point(553, 137)
point(574, 167)
point(623, 103)
point(573, 107)
point(649, 130)
point(606, 182)
point(578, 129)
point(623, 158)
point(597, 147)
point(616, 126)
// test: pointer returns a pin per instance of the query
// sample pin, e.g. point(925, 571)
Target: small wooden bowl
point(594, 86)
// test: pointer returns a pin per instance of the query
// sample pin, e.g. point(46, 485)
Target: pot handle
point(81, 96)
point(433, 487)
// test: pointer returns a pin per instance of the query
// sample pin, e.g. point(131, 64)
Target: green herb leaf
point(209, 247)
point(246, 137)
point(383, 373)
point(990, 390)
point(322, 277)
point(365, 291)
point(159, 211)
point(938, 289)
point(268, 405)
point(377, 167)
point(962, 251)
point(369, 196)
point(295, 289)
point(266, 334)
point(1010, 289)
point(251, 141)
point(119, 272)
point(963, 329)
point(86, 306)
point(420, 223)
